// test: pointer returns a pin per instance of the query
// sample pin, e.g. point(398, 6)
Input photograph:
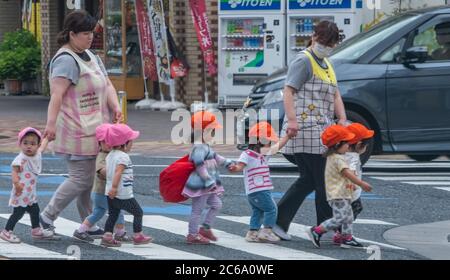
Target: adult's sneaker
point(96, 234)
point(314, 236)
point(348, 243)
point(281, 233)
point(83, 236)
point(252, 236)
point(267, 235)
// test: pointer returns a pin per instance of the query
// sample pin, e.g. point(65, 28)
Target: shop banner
point(159, 36)
point(198, 11)
point(146, 42)
point(320, 4)
point(250, 5)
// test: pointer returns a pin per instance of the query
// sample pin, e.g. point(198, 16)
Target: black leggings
point(18, 213)
point(312, 178)
point(129, 205)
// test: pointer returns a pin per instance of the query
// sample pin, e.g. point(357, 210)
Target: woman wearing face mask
point(311, 101)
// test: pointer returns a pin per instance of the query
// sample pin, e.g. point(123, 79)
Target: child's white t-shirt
point(354, 164)
point(125, 188)
point(256, 172)
point(32, 167)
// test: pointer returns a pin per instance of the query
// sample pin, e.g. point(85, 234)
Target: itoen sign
point(320, 4)
point(250, 5)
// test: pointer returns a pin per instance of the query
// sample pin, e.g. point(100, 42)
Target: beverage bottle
point(301, 26)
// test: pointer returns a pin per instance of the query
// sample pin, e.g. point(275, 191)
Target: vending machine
point(251, 46)
point(303, 15)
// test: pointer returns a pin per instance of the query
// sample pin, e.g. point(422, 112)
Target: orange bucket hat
point(263, 130)
point(335, 134)
point(204, 119)
point(361, 132)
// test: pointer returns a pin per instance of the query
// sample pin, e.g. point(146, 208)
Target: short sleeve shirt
point(126, 184)
point(256, 172)
point(354, 164)
point(335, 183)
point(32, 167)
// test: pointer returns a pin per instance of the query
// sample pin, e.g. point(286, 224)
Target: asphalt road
point(396, 201)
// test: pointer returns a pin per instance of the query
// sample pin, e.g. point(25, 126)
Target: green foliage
point(20, 56)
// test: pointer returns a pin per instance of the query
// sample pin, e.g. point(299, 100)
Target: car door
point(418, 95)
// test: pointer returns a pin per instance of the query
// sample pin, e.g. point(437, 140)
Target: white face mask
point(322, 51)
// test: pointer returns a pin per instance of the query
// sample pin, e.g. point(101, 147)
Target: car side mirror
point(415, 55)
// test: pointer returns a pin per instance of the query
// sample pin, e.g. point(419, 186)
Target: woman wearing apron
point(82, 97)
point(311, 101)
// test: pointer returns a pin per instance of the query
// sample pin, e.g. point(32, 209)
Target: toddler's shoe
point(9, 236)
point(39, 233)
point(267, 235)
point(350, 242)
point(124, 238)
point(337, 238)
point(207, 233)
point(83, 236)
point(140, 239)
point(314, 236)
point(109, 241)
point(197, 239)
point(252, 236)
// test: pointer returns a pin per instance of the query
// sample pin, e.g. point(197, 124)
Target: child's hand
point(366, 187)
point(19, 188)
point(350, 187)
point(232, 167)
point(112, 193)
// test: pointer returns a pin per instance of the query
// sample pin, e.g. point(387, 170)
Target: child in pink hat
point(88, 231)
point(26, 168)
point(119, 184)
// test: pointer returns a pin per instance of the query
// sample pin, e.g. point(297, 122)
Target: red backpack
point(173, 178)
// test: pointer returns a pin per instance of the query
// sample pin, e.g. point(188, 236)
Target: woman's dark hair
point(327, 33)
point(77, 21)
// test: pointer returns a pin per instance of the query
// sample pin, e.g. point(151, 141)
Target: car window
point(270, 86)
point(354, 48)
point(392, 54)
point(436, 37)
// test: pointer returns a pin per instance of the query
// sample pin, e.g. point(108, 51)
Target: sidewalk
point(17, 112)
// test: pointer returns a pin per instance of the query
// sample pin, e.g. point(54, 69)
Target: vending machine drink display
point(251, 46)
point(303, 15)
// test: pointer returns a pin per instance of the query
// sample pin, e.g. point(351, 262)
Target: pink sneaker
point(109, 241)
point(39, 233)
point(197, 239)
point(9, 236)
point(337, 238)
point(207, 233)
point(140, 238)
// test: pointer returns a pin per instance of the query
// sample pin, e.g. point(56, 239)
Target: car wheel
point(355, 117)
point(423, 158)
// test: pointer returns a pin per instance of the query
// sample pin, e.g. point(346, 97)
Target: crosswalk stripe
point(427, 183)
point(299, 230)
point(149, 251)
point(413, 178)
point(443, 188)
point(26, 251)
point(231, 241)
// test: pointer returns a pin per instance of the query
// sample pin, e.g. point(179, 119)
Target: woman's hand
point(112, 193)
point(292, 128)
point(118, 116)
point(50, 132)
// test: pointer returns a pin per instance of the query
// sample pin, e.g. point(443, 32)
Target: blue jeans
point(264, 210)
point(100, 208)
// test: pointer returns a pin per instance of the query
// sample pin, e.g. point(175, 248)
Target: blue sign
point(250, 5)
point(319, 4)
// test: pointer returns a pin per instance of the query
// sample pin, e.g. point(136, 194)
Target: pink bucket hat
point(26, 130)
point(119, 134)
point(100, 131)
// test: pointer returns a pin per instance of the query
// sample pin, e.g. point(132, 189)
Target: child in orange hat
point(339, 180)
point(358, 146)
point(258, 185)
point(204, 185)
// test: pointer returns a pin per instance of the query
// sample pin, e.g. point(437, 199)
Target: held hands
point(292, 128)
point(50, 132)
point(118, 116)
point(112, 193)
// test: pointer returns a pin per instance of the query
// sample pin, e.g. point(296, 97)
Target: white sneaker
point(252, 236)
point(281, 233)
point(9, 236)
point(267, 235)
